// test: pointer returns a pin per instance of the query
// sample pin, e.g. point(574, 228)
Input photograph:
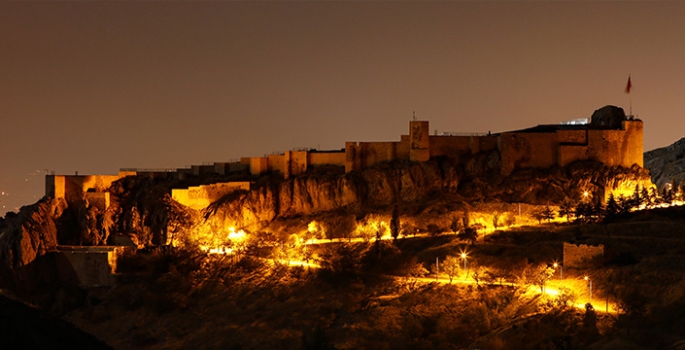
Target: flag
point(628, 86)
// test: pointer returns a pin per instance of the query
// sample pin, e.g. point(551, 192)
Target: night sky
point(96, 86)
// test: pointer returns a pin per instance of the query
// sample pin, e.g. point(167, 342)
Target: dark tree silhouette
point(566, 209)
point(395, 223)
point(468, 234)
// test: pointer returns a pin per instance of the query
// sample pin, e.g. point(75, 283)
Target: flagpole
point(629, 86)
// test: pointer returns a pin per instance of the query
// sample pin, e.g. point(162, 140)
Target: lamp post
point(590, 286)
point(561, 270)
point(463, 256)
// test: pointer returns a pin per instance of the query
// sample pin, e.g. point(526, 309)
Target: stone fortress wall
point(610, 138)
point(199, 197)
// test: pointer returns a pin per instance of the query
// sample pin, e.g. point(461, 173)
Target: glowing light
point(586, 194)
point(463, 255)
point(312, 227)
point(236, 236)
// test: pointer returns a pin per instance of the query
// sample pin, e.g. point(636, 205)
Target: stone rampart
point(94, 266)
point(527, 150)
point(199, 197)
point(326, 158)
point(73, 187)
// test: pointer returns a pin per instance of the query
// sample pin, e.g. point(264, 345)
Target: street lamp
point(463, 257)
point(590, 286)
point(561, 270)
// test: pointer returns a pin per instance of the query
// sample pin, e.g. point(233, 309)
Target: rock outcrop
point(417, 184)
point(667, 164)
point(142, 209)
point(30, 233)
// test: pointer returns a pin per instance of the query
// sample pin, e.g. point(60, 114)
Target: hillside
point(667, 164)
point(372, 295)
point(25, 327)
point(309, 262)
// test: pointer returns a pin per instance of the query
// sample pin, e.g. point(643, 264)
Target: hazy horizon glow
point(97, 86)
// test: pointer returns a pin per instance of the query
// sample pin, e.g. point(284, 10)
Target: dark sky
point(96, 86)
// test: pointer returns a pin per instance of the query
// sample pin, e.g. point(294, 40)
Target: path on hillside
point(551, 289)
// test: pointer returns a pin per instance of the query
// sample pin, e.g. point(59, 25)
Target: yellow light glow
point(236, 236)
point(312, 227)
point(463, 255)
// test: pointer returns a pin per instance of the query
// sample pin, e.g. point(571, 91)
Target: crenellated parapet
point(610, 138)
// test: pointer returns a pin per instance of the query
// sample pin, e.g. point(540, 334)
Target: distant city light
point(580, 121)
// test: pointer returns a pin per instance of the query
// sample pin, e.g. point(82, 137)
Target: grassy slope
point(194, 303)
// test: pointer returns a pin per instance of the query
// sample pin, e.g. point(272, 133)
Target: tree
point(537, 276)
point(624, 206)
point(597, 211)
point(477, 274)
point(395, 223)
point(495, 219)
point(548, 214)
point(413, 273)
point(612, 209)
point(583, 212)
point(451, 266)
point(455, 225)
point(566, 209)
point(637, 199)
point(539, 215)
point(468, 234)
point(667, 194)
point(646, 198)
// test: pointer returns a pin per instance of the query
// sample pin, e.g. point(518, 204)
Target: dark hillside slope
point(667, 164)
point(25, 327)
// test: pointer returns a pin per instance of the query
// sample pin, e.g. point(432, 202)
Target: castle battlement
point(610, 138)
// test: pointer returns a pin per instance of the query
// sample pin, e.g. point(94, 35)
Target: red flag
point(628, 86)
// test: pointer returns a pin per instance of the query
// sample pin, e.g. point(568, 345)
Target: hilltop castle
point(610, 137)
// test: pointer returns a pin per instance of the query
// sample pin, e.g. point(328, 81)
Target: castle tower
point(419, 141)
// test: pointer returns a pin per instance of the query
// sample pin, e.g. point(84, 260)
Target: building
point(610, 137)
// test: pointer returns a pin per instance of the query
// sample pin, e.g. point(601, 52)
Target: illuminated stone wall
point(276, 162)
point(99, 200)
point(527, 150)
point(360, 155)
point(457, 146)
point(72, 187)
point(540, 147)
point(325, 158)
point(199, 197)
point(93, 266)
point(297, 162)
point(612, 147)
point(622, 147)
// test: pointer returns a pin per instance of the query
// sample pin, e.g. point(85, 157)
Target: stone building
point(610, 137)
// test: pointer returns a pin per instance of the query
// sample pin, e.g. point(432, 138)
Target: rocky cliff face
point(417, 184)
point(143, 210)
point(30, 233)
point(667, 164)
